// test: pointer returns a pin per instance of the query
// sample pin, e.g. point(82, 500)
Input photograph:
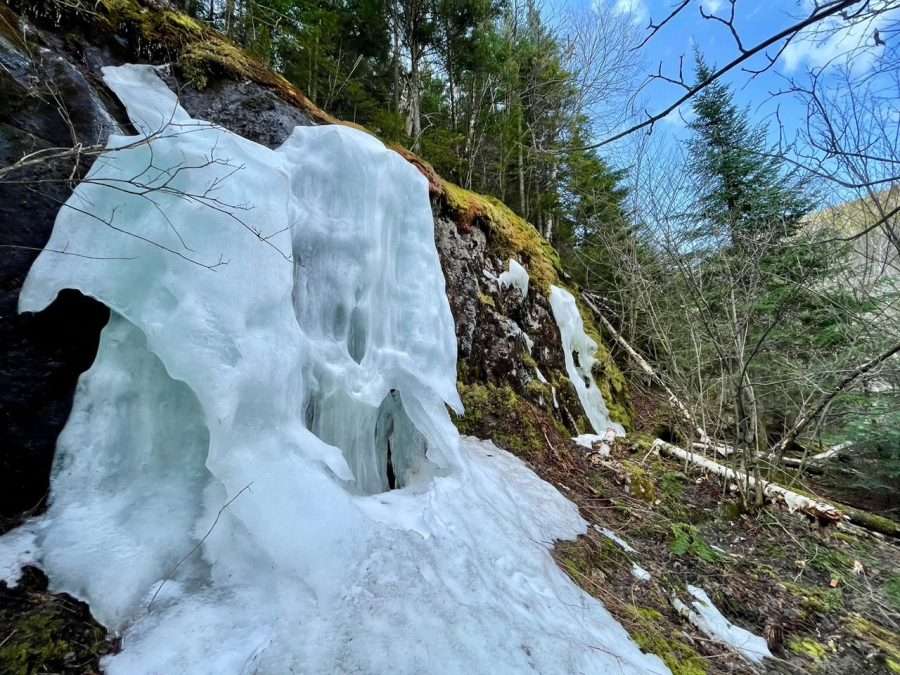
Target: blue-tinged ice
point(579, 350)
point(280, 355)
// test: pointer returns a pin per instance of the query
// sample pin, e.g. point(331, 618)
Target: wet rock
point(46, 104)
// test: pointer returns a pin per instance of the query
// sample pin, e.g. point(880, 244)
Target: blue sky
point(755, 20)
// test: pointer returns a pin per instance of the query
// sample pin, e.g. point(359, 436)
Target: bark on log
point(821, 511)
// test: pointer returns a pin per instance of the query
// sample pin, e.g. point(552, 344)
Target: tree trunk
point(523, 204)
point(848, 379)
point(229, 18)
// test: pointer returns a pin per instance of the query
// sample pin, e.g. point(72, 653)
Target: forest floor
point(826, 599)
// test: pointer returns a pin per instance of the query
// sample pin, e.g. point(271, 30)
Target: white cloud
point(712, 6)
point(636, 9)
point(834, 44)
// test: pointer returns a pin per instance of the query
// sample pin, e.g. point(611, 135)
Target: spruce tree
point(744, 191)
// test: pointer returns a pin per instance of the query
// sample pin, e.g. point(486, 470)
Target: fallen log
point(813, 462)
point(821, 511)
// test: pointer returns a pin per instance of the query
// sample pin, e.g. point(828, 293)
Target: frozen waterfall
point(579, 350)
point(280, 355)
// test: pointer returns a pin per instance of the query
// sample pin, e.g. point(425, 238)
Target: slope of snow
point(515, 277)
point(220, 491)
point(708, 619)
point(579, 352)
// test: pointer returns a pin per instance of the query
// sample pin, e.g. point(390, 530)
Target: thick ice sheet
point(579, 350)
point(219, 492)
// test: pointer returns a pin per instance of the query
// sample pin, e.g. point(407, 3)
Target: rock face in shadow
point(46, 104)
point(53, 97)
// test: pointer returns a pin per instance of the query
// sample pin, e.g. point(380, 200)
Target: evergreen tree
point(744, 191)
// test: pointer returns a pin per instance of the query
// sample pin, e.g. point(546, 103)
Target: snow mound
point(280, 354)
point(515, 277)
point(640, 573)
point(579, 350)
point(17, 549)
point(709, 620)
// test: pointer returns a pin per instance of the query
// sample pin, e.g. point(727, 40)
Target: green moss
point(686, 540)
point(653, 636)
point(816, 600)
point(835, 564)
point(640, 482)
point(502, 415)
point(509, 234)
point(537, 390)
point(528, 360)
point(486, 299)
point(809, 648)
point(732, 511)
point(887, 641)
point(892, 590)
point(671, 484)
point(567, 398)
point(37, 643)
point(33, 644)
point(587, 559)
point(892, 665)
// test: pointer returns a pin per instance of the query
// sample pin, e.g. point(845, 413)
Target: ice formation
point(17, 549)
point(709, 620)
point(515, 277)
point(221, 492)
point(579, 350)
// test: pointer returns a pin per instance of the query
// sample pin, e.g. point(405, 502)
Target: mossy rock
point(640, 482)
point(499, 413)
point(811, 649)
point(509, 235)
point(47, 633)
point(201, 55)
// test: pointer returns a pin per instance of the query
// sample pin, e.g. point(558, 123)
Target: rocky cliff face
point(511, 374)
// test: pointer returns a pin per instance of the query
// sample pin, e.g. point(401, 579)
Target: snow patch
point(709, 620)
point(17, 549)
point(588, 440)
point(621, 543)
point(579, 352)
point(515, 277)
point(640, 573)
point(222, 484)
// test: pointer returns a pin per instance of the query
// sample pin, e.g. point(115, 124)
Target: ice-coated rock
point(280, 354)
point(515, 277)
point(579, 350)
